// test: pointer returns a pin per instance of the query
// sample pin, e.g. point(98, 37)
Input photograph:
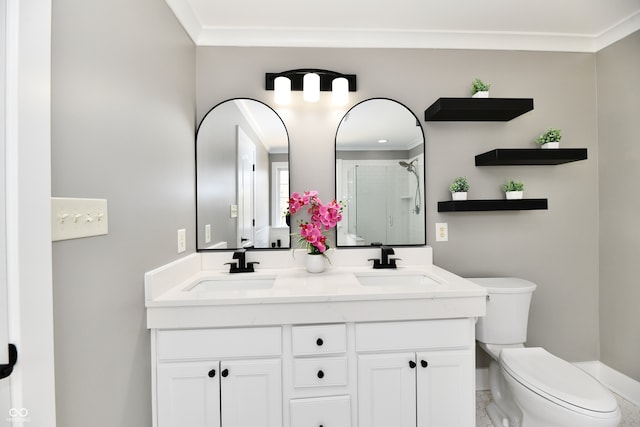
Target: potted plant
point(513, 190)
point(459, 188)
point(550, 139)
point(322, 218)
point(480, 89)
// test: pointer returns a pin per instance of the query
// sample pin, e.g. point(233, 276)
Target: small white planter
point(315, 263)
point(459, 195)
point(514, 195)
point(481, 94)
point(550, 145)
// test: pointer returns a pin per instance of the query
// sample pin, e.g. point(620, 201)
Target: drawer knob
point(212, 373)
point(320, 374)
point(319, 342)
point(412, 364)
point(225, 373)
point(424, 363)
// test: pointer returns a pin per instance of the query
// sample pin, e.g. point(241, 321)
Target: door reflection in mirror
point(241, 175)
point(380, 175)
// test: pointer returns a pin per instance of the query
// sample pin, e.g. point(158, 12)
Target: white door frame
point(27, 145)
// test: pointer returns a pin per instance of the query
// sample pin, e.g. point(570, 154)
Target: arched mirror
point(242, 177)
point(380, 175)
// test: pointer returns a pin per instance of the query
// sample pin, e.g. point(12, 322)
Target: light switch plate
point(207, 233)
point(73, 218)
point(442, 232)
point(182, 240)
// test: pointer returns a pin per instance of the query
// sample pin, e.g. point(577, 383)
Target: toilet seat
point(558, 381)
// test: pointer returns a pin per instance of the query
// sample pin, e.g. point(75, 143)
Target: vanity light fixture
point(311, 87)
point(311, 82)
point(282, 90)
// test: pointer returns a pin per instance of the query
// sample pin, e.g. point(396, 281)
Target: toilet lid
point(556, 379)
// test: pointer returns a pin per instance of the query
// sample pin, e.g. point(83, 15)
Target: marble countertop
point(197, 292)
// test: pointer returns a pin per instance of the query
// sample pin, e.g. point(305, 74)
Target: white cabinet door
point(189, 394)
point(387, 390)
point(445, 389)
point(251, 393)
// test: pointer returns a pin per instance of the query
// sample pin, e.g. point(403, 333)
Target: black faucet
point(385, 260)
point(241, 266)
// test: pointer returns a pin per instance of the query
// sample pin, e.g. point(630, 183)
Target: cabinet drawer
point(414, 335)
point(334, 411)
point(319, 339)
point(320, 372)
point(194, 344)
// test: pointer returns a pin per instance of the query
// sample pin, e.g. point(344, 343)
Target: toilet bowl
point(530, 386)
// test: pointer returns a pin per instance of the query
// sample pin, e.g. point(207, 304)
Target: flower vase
point(315, 263)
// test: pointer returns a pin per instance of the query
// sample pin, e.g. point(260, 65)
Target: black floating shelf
point(492, 205)
point(530, 156)
point(477, 109)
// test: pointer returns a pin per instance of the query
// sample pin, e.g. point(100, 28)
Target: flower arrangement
point(322, 218)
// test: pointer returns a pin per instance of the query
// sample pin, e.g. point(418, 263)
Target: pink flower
point(322, 217)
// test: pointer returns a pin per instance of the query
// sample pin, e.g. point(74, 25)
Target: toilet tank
point(507, 310)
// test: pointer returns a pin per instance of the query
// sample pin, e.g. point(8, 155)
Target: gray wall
point(123, 126)
point(556, 248)
point(619, 158)
point(123, 129)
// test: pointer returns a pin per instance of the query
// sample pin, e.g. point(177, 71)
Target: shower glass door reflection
point(383, 204)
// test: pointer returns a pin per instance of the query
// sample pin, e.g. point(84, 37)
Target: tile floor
point(630, 412)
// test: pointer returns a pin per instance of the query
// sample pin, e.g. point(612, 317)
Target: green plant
point(479, 86)
point(513, 186)
point(459, 185)
point(551, 135)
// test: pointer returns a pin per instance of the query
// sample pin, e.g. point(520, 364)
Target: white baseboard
point(619, 383)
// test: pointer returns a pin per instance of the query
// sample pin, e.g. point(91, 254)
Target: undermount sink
point(413, 279)
point(235, 283)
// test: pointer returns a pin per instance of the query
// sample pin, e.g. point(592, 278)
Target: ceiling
point(549, 25)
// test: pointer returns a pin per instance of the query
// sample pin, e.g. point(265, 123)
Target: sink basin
point(412, 280)
point(236, 283)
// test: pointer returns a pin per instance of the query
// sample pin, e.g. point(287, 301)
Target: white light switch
point(75, 218)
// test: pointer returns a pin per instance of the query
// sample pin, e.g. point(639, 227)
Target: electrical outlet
point(442, 232)
point(182, 240)
point(207, 233)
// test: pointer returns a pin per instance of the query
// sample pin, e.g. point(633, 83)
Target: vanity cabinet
point(414, 373)
point(429, 385)
point(237, 384)
point(234, 393)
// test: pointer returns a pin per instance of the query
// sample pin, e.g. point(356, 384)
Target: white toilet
point(530, 386)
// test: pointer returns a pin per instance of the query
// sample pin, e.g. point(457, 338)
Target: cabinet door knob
point(319, 342)
point(225, 373)
point(212, 373)
point(424, 363)
point(412, 364)
point(320, 374)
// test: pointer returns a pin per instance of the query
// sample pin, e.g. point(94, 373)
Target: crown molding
point(403, 39)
